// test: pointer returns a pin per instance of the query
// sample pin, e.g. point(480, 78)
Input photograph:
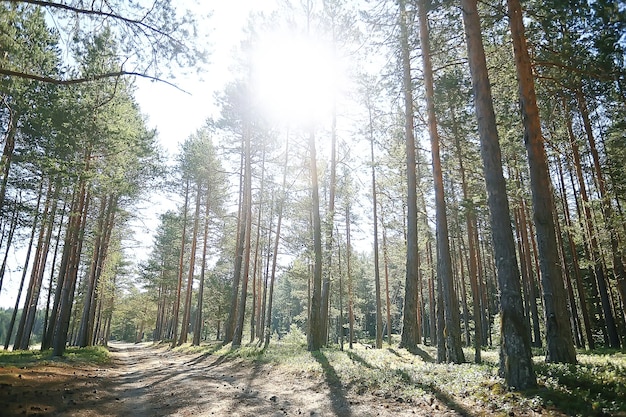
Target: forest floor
point(154, 380)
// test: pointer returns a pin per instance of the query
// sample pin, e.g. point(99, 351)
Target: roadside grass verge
point(94, 355)
point(596, 386)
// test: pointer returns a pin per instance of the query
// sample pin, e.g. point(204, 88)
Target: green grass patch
point(95, 355)
point(596, 386)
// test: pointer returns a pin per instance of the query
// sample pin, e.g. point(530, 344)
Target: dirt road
point(148, 381)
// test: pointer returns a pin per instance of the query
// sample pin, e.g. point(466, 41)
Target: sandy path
point(149, 381)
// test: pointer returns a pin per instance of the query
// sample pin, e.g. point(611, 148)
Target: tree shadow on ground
point(582, 389)
point(356, 358)
point(431, 388)
point(339, 402)
point(416, 351)
point(209, 353)
point(440, 395)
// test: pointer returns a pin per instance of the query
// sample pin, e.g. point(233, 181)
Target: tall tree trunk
point(386, 263)
point(530, 277)
point(229, 325)
point(409, 337)
point(181, 264)
point(184, 330)
point(7, 155)
point(73, 241)
point(582, 298)
point(470, 224)
point(454, 351)
point(25, 270)
point(84, 338)
point(46, 321)
point(591, 244)
point(30, 309)
point(9, 242)
point(257, 248)
point(516, 364)
point(315, 338)
point(379, 315)
point(349, 272)
point(330, 222)
point(607, 210)
point(434, 339)
point(241, 311)
point(197, 328)
point(560, 345)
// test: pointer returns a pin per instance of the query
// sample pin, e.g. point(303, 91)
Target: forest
point(431, 179)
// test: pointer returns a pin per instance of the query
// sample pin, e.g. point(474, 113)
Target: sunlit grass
point(96, 355)
point(594, 387)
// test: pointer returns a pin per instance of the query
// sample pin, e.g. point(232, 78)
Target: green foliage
point(94, 355)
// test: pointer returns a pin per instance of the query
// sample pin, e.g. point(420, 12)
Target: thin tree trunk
point(281, 202)
point(69, 271)
point(470, 224)
point(386, 262)
point(607, 210)
point(9, 242)
point(181, 263)
point(25, 270)
point(454, 352)
point(575, 264)
point(84, 338)
point(349, 272)
point(197, 329)
point(38, 273)
point(592, 244)
point(241, 311)
point(315, 335)
point(379, 315)
point(330, 221)
point(256, 276)
point(530, 277)
point(184, 330)
point(52, 272)
point(7, 154)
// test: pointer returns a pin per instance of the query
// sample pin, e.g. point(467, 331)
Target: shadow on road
point(339, 402)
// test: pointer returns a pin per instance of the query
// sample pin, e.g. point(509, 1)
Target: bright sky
point(282, 64)
point(173, 113)
point(177, 114)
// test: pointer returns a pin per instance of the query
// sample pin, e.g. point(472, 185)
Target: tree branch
point(72, 81)
point(92, 12)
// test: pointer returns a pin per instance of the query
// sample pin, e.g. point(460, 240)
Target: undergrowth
point(96, 355)
point(596, 386)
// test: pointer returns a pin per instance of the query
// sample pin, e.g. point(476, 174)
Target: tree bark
point(315, 337)
point(379, 315)
point(197, 328)
point(184, 330)
point(454, 351)
point(560, 345)
point(409, 338)
point(73, 241)
point(181, 263)
point(241, 311)
point(24, 271)
point(516, 364)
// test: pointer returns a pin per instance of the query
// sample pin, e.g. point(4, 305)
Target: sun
point(296, 78)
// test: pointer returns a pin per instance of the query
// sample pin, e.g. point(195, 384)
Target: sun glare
point(296, 78)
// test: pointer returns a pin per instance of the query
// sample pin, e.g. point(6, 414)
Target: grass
point(596, 386)
point(96, 355)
